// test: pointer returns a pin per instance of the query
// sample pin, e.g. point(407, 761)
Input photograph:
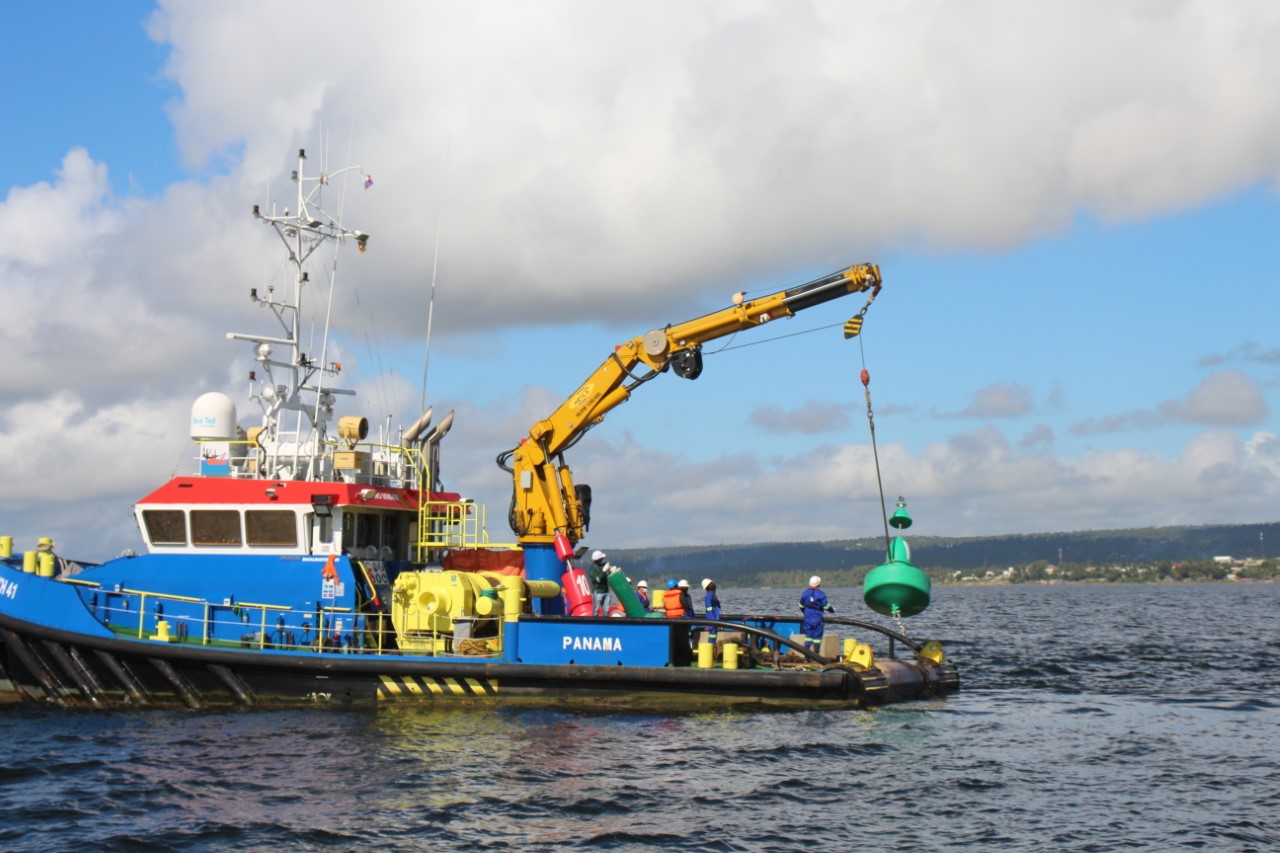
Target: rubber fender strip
point(234, 683)
point(24, 690)
point(98, 687)
point(861, 685)
point(179, 683)
point(947, 677)
point(59, 655)
point(128, 683)
point(26, 656)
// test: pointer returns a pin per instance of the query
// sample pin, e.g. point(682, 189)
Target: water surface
point(1093, 718)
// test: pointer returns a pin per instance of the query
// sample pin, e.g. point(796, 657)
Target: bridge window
point(271, 527)
point(165, 526)
point(322, 524)
point(376, 535)
point(215, 527)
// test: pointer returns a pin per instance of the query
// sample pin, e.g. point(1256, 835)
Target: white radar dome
point(213, 417)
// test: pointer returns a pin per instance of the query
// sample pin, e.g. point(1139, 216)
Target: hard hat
point(671, 583)
point(706, 582)
point(815, 581)
point(597, 556)
point(644, 584)
point(684, 584)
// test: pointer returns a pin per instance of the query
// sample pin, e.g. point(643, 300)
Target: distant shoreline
point(1181, 582)
point(1001, 582)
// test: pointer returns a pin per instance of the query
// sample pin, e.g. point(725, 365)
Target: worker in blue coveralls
point(813, 601)
point(712, 603)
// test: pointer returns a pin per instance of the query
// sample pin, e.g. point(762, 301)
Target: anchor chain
point(897, 617)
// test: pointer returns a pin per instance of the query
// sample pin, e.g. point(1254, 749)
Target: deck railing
point(372, 464)
point(160, 617)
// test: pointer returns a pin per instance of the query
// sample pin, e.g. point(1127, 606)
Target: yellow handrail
point(364, 634)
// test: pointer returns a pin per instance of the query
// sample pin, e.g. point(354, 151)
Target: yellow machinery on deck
point(438, 611)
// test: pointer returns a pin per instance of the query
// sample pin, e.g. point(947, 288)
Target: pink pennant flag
point(368, 181)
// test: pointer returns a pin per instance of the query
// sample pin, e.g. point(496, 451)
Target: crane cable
point(853, 328)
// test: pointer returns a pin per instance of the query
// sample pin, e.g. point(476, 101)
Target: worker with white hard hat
point(711, 602)
point(813, 601)
point(598, 574)
point(642, 592)
point(686, 601)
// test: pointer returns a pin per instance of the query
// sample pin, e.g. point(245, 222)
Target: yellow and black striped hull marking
point(427, 686)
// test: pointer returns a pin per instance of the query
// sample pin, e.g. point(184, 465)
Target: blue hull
point(60, 649)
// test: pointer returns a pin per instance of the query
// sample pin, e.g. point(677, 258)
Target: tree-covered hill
point(785, 563)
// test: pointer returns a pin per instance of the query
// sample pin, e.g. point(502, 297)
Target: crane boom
point(545, 502)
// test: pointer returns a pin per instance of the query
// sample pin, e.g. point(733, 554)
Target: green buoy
point(897, 587)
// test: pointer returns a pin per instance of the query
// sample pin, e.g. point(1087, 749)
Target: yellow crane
point(546, 506)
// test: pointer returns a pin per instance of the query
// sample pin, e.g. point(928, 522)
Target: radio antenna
point(435, 263)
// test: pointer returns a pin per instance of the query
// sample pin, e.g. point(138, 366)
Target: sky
point(1073, 205)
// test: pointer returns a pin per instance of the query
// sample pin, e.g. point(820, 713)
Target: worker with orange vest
point(672, 606)
point(642, 593)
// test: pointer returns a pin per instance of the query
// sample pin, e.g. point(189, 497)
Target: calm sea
point(1092, 718)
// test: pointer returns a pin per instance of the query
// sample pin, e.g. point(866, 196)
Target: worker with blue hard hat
point(672, 606)
point(813, 601)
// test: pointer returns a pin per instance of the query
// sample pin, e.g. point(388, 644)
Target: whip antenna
point(435, 262)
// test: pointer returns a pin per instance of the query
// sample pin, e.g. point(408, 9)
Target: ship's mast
point(292, 380)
